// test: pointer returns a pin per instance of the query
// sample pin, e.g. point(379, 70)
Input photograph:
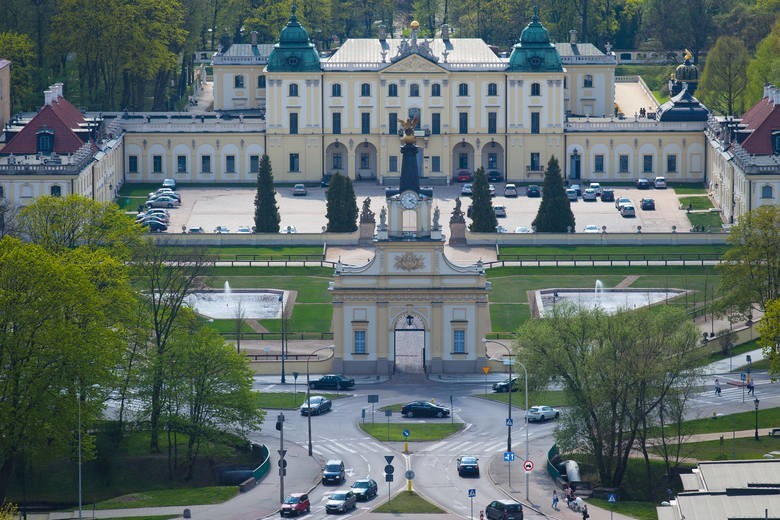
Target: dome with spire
point(534, 52)
point(294, 52)
point(687, 71)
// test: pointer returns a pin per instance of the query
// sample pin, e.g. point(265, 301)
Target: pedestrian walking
point(555, 500)
point(585, 514)
point(751, 388)
point(717, 386)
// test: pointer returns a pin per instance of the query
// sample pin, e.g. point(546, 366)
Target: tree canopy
point(555, 214)
point(483, 217)
point(342, 210)
point(724, 80)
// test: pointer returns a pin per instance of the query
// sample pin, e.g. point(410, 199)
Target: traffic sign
point(389, 469)
point(406, 433)
point(282, 463)
point(509, 456)
point(409, 474)
point(282, 453)
point(528, 466)
point(389, 477)
point(389, 458)
point(509, 421)
point(373, 398)
point(485, 370)
point(388, 412)
point(742, 376)
point(472, 493)
point(612, 498)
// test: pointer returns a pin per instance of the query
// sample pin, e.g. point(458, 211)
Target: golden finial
point(687, 56)
point(415, 25)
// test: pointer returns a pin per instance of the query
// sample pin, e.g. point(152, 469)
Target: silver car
point(542, 413)
point(316, 405)
point(341, 501)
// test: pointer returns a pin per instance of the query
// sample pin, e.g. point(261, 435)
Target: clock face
point(292, 60)
point(409, 200)
point(535, 61)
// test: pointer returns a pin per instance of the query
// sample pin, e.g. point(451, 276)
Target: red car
point(295, 504)
point(463, 176)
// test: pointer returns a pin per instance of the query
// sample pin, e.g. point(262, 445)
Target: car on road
point(299, 190)
point(500, 211)
point(364, 489)
point(468, 465)
point(504, 510)
point(643, 184)
point(295, 504)
point(221, 229)
point(169, 183)
point(523, 229)
point(590, 195)
point(542, 413)
point(659, 183)
point(510, 191)
point(334, 381)
point(647, 204)
point(288, 230)
point(316, 405)
point(341, 501)
point(621, 202)
point(463, 176)
point(243, 229)
point(501, 229)
point(165, 191)
point(424, 409)
point(195, 230)
point(503, 386)
point(333, 472)
point(533, 191)
point(571, 194)
point(627, 211)
point(607, 195)
point(492, 190)
point(466, 190)
point(591, 228)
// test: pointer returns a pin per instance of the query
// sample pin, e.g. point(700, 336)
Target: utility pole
point(282, 452)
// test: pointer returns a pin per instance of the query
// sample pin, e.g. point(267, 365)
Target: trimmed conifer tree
point(555, 215)
point(266, 210)
point(483, 217)
point(342, 209)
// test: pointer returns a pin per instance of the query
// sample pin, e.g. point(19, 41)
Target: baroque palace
point(317, 115)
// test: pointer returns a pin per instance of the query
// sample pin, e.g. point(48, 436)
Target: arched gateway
point(409, 308)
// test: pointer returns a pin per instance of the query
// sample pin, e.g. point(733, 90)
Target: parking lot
point(209, 208)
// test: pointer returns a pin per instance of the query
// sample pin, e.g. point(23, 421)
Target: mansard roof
point(58, 115)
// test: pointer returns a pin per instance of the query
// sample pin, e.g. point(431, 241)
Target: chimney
point(775, 95)
point(445, 32)
point(573, 37)
point(48, 96)
point(59, 90)
point(254, 38)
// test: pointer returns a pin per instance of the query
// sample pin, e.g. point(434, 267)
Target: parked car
point(333, 472)
point(288, 230)
point(163, 201)
point(503, 386)
point(169, 183)
point(533, 191)
point(500, 211)
point(510, 191)
point(571, 194)
point(659, 183)
point(595, 186)
point(494, 176)
point(424, 409)
point(463, 176)
point(504, 510)
point(295, 504)
point(607, 195)
point(334, 381)
point(316, 405)
point(341, 501)
point(647, 204)
point(325, 181)
point(364, 489)
point(591, 228)
point(155, 211)
point(643, 184)
point(141, 217)
point(542, 413)
point(243, 229)
point(221, 229)
point(501, 229)
point(577, 188)
point(590, 195)
point(165, 191)
point(492, 190)
point(468, 465)
point(466, 190)
point(621, 201)
point(627, 211)
point(299, 190)
point(155, 227)
point(523, 229)
point(195, 229)
point(158, 221)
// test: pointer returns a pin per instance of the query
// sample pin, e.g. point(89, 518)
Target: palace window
point(536, 89)
point(767, 192)
point(536, 162)
point(435, 90)
point(181, 164)
point(205, 163)
point(230, 164)
point(392, 90)
point(393, 163)
point(414, 90)
point(492, 161)
point(365, 123)
point(492, 117)
point(336, 122)
point(598, 163)
point(671, 163)
point(435, 123)
point(392, 126)
point(463, 122)
point(459, 341)
point(463, 89)
point(435, 163)
point(365, 89)
point(647, 164)
point(260, 81)
point(623, 163)
point(293, 123)
point(587, 81)
point(56, 191)
point(360, 342)
point(295, 162)
point(534, 122)
point(335, 90)
point(463, 161)
point(365, 161)
point(238, 81)
point(492, 89)
point(132, 164)
point(157, 164)
point(292, 90)
point(338, 161)
point(254, 164)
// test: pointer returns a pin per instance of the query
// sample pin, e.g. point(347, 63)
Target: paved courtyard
point(234, 207)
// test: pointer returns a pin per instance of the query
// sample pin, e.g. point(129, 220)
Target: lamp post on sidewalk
point(308, 391)
point(756, 403)
point(485, 341)
point(281, 302)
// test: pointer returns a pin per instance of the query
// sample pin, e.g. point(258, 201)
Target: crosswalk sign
point(612, 498)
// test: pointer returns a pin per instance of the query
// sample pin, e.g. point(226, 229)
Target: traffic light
point(279, 425)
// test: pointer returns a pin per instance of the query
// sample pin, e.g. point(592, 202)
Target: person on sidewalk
point(717, 386)
point(751, 388)
point(585, 514)
point(555, 500)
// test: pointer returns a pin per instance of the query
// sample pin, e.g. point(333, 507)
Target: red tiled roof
point(62, 117)
point(762, 119)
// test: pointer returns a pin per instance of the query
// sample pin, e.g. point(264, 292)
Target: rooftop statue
point(409, 125)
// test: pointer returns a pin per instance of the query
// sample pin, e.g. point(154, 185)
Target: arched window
point(588, 81)
point(392, 90)
point(238, 81)
point(414, 90)
point(293, 90)
point(463, 89)
point(365, 89)
point(767, 192)
point(536, 89)
point(492, 89)
point(335, 90)
point(435, 90)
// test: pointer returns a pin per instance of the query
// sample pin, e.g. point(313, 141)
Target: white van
point(595, 186)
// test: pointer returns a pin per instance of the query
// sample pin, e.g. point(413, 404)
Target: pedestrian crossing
point(727, 393)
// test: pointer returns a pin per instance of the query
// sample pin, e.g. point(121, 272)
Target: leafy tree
point(19, 48)
point(765, 66)
point(616, 375)
point(681, 25)
point(342, 210)
point(750, 270)
point(769, 331)
point(724, 80)
point(555, 215)
point(483, 217)
point(266, 211)
point(749, 21)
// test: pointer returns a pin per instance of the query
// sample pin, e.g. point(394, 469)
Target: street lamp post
point(78, 397)
point(755, 402)
point(308, 391)
point(485, 341)
point(281, 302)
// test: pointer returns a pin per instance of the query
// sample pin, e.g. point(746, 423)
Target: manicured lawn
point(696, 202)
point(171, 497)
point(640, 510)
point(689, 190)
point(710, 220)
point(408, 502)
point(732, 449)
point(427, 431)
point(289, 401)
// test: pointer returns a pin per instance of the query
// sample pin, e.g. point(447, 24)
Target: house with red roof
point(744, 158)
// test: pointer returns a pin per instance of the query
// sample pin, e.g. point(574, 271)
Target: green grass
point(690, 190)
point(767, 418)
point(153, 517)
point(547, 397)
point(743, 448)
point(171, 497)
point(287, 400)
point(710, 220)
point(393, 432)
point(639, 510)
point(696, 203)
point(615, 251)
point(738, 350)
point(408, 502)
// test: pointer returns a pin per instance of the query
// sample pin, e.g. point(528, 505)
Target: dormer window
point(293, 90)
point(776, 143)
point(44, 141)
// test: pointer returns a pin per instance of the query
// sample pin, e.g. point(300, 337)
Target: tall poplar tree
point(483, 217)
point(555, 215)
point(342, 210)
point(266, 210)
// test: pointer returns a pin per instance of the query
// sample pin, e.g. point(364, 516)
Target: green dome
point(534, 32)
point(294, 52)
point(534, 52)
